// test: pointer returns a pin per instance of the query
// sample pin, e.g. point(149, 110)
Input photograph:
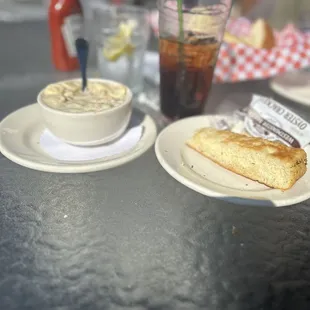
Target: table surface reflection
point(133, 237)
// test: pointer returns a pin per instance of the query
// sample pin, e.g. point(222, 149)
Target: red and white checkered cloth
point(240, 62)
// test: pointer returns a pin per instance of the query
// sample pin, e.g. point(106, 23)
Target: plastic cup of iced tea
point(190, 38)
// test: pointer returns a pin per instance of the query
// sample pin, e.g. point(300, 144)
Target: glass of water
point(121, 35)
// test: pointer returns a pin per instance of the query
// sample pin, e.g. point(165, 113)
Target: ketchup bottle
point(65, 23)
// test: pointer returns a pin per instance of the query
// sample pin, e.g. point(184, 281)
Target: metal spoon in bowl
point(82, 47)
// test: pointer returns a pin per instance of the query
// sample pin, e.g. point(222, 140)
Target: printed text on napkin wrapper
point(268, 119)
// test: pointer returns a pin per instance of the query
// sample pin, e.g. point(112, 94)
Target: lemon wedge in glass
point(120, 44)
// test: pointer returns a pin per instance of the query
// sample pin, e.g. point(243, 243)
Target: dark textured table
point(132, 237)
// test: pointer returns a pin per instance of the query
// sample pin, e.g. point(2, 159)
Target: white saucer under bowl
point(202, 175)
point(20, 135)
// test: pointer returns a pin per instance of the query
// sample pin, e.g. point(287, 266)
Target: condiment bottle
point(65, 23)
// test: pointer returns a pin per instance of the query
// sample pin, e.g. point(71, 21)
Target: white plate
point(294, 86)
point(19, 141)
point(202, 175)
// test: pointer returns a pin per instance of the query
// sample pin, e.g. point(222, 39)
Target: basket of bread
point(256, 51)
point(253, 50)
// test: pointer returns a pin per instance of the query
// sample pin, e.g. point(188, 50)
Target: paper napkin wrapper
point(268, 119)
point(62, 151)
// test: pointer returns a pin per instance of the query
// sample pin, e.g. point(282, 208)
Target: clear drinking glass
point(121, 34)
point(189, 45)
